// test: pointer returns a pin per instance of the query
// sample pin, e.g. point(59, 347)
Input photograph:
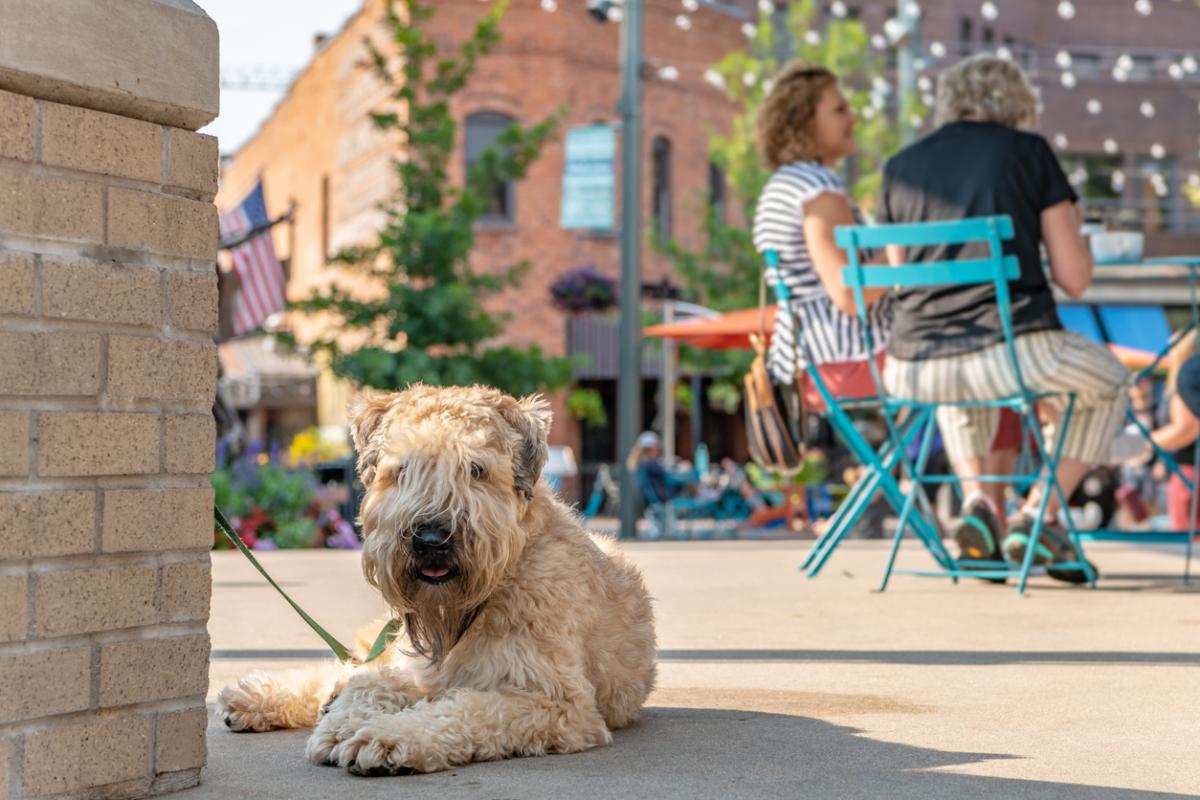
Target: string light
point(683, 22)
point(1175, 71)
point(668, 73)
point(937, 49)
point(988, 10)
point(1157, 150)
point(1110, 146)
point(838, 9)
point(690, 5)
point(1118, 180)
point(1066, 9)
point(1144, 7)
point(1189, 64)
point(1063, 59)
point(1068, 80)
point(812, 38)
point(1060, 141)
point(912, 9)
point(766, 6)
point(714, 78)
point(924, 83)
point(549, 5)
point(749, 29)
point(1004, 53)
point(878, 41)
point(1094, 106)
point(1147, 109)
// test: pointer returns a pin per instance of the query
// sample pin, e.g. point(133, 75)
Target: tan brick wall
point(107, 374)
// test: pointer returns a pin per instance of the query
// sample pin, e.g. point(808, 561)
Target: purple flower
point(265, 544)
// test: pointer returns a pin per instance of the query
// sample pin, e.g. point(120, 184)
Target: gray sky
point(272, 34)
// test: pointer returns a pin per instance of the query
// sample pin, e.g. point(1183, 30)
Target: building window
point(1085, 65)
point(661, 198)
point(716, 191)
point(966, 30)
point(483, 129)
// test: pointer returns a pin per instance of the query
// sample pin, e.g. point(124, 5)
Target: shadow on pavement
point(687, 753)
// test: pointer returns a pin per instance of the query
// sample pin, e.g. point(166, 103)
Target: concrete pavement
point(775, 686)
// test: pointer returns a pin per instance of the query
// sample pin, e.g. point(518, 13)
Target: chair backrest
point(996, 268)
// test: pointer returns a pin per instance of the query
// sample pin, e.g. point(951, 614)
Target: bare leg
point(1070, 473)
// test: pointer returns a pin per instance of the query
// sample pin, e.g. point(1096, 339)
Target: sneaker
point(977, 533)
point(1053, 547)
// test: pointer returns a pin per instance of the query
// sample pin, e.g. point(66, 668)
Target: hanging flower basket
point(584, 289)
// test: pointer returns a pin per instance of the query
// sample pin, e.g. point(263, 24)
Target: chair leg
point(909, 503)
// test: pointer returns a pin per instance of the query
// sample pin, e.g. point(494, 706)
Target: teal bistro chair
point(880, 465)
point(997, 269)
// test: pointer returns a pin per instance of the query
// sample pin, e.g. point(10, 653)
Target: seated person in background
point(645, 462)
point(947, 343)
point(805, 128)
point(1179, 426)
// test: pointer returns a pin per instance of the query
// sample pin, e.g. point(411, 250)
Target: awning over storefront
point(254, 374)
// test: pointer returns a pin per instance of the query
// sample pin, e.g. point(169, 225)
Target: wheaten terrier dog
point(523, 635)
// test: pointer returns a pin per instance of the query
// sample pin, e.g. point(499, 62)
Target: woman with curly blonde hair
point(947, 342)
point(805, 127)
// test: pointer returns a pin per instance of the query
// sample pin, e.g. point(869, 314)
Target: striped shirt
point(831, 336)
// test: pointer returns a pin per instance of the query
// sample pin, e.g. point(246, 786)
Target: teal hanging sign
point(589, 177)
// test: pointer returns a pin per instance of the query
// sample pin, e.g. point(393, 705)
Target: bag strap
point(385, 637)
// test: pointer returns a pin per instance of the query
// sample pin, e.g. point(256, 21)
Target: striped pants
point(1051, 361)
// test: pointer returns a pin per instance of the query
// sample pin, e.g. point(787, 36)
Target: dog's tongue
point(435, 572)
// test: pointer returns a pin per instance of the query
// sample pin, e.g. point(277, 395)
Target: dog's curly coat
point(524, 635)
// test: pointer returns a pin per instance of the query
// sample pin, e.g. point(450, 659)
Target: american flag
point(254, 262)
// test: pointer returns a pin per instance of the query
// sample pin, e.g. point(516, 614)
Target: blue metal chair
point(879, 464)
point(999, 270)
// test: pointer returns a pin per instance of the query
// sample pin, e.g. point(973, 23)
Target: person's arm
point(822, 215)
point(1070, 259)
point(1181, 428)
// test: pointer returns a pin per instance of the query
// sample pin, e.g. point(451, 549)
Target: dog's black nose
point(432, 538)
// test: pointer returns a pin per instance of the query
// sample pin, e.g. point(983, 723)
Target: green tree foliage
point(428, 322)
point(723, 273)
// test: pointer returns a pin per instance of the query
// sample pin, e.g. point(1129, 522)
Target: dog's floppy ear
point(367, 411)
point(531, 417)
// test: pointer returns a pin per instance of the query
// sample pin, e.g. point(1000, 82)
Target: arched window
point(661, 198)
point(483, 129)
point(716, 191)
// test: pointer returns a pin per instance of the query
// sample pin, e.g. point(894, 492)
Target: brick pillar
point(108, 304)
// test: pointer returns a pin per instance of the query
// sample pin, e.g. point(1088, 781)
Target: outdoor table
point(1191, 266)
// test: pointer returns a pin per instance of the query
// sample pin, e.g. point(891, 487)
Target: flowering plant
point(273, 506)
point(584, 289)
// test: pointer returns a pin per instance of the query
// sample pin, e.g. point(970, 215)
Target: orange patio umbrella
point(729, 331)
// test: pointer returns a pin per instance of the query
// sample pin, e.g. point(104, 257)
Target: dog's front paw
point(371, 752)
point(352, 704)
point(243, 708)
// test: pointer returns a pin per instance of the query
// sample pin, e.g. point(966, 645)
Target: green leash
point(385, 637)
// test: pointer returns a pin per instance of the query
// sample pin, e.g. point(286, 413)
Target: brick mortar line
point(43, 324)
point(101, 252)
point(141, 633)
point(43, 170)
point(16, 767)
point(49, 565)
point(100, 404)
point(70, 249)
point(149, 482)
point(39, 125)
point(57, 721)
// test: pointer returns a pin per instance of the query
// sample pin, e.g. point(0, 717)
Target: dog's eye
point(477, 471)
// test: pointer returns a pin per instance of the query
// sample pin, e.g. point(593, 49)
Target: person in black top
point(947, 343)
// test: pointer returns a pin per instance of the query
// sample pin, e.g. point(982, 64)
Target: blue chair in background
point(997, 269)
point(879, 464)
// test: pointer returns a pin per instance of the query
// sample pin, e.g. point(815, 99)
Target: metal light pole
point(904, 30)
point(629, 379)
